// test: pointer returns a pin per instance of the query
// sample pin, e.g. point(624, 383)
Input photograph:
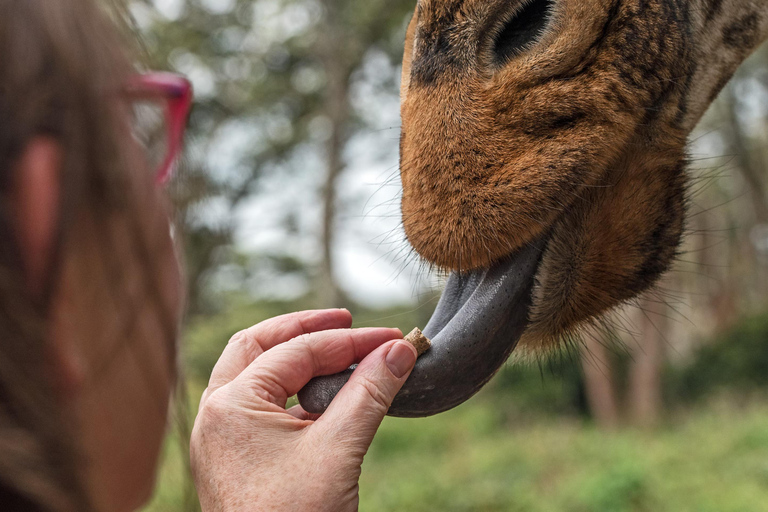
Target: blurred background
point(288, 198)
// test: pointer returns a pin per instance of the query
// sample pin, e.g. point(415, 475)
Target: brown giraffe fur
point(579, 139)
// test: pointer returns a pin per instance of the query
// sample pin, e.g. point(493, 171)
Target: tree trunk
point(598, 380)
point(749, 165)
point(337, 108)
point(329, 293)
point(644, 390)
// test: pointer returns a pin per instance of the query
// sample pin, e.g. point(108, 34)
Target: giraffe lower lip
point(475, 327)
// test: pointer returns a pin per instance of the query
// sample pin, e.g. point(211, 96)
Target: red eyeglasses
point(160, 107)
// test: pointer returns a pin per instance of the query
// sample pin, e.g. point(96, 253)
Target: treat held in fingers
point(420, 342)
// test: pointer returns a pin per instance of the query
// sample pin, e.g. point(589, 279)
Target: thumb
point(358, 409)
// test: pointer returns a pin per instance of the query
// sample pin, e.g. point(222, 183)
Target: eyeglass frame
point(176, 91)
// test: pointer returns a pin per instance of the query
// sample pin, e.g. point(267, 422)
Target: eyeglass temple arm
point(176, 116)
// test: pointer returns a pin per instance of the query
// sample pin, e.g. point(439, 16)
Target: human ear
point(35, 200)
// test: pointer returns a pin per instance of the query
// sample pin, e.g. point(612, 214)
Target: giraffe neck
point(725, 33)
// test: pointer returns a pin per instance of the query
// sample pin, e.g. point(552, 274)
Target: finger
point(284, 370)
point(245, 346)
point(297, 411)
point(357, 411)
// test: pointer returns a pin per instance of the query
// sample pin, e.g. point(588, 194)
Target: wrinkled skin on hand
point(249, 453)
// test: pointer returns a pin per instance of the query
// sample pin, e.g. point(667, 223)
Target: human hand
point(249, 453)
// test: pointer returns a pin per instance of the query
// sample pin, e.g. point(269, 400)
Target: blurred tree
point(347, 32)
point(276, 83)
point(722, 272)
point(273, 82)
point(599, 385)
point(734, 360)
point(273, 86)
point(644, 390)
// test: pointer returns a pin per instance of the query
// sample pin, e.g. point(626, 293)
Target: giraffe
point(543, 161)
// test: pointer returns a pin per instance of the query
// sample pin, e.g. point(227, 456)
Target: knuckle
point(266, 385)
point(247, 341)
point(374, 392)
point(213, 413)
point(305, 339)
point(307, 350)
point(301, 326)
point(239, 337)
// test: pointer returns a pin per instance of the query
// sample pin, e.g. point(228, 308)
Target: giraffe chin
point(477, 323)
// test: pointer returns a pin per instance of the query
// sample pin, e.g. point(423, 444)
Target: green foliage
point(273, 84)
point(455, 462)
point(622, 487)
point(735, 360)
point(547, 387)
point(474, 459)
point(206, 335)
point(521, 444)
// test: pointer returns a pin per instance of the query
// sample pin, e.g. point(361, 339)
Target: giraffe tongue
point(478, 321)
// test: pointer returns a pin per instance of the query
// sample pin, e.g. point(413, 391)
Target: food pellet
point(418, 340)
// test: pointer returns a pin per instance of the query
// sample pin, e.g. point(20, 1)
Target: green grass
point(484, 456)
point(469, 460)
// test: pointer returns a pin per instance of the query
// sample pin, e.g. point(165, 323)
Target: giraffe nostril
point(525, 27)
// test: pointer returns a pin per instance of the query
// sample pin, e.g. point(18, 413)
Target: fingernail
point(401, 358)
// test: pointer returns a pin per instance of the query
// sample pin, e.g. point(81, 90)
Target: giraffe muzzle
point(478, 321)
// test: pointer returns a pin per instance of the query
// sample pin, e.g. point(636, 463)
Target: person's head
point(89, 285)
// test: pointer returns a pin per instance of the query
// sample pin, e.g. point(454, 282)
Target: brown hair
point(61, 65)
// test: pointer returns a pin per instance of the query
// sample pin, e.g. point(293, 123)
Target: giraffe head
point(543, 161)
point(560, 123)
